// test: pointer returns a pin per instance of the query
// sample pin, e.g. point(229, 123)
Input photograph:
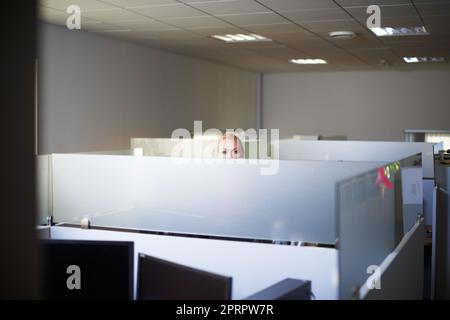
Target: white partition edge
point(43, 188)
point(433, 247)
point(401, 274)
point(253, 266)
point(357, 151)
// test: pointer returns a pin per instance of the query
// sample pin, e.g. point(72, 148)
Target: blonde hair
point(230, 135)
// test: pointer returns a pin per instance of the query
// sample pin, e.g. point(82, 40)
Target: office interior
point(342, 190)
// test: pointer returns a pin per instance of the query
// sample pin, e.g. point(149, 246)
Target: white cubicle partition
point(366, 151)
point(369, 240)
point(400, 275)
point(253, 266)
point(367, 226)
point(357, 151)
point(305, 201)
point(369, 151)
point(229, 199)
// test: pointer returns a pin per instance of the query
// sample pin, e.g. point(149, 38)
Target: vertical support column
point(259, 100)
point(19, 250)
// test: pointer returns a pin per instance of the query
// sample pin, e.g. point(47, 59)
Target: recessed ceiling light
point(308, 61)
point(423, 59)
point(241, 37)
point(400, 31)
point(344, 35)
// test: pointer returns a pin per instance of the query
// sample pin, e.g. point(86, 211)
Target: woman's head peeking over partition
point(229, 146)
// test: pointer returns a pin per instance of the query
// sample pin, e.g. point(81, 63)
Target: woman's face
point(230, 148)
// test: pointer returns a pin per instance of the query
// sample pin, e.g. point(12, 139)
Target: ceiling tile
point(112, 32)
point(175, 34)
point(111, 15)
point(442, 20)
point(139, 3)
point(218, 31)
point(83, 4)
point(434, 8)
point(422, 52)
point(366, 3)
point(143, 24)
point(316, 15)
point(230, 7)
point(278, 52)
point(100, 26)
point(274, 29)
point(52, 16)
point(197, 22)
point(242, 20)
point(168, 11)
point(438, 28)
point(294, 36)
point(311, 46)
point(294, 5)
point(428, 1)
point(359, 42)
point(331, 25)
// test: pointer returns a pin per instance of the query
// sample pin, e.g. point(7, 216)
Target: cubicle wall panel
point(428, 201)
point(231, 199)
point(442, 281)
point(366, 229)
point(402, 272)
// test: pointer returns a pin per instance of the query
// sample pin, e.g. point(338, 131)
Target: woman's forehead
point(229, 141)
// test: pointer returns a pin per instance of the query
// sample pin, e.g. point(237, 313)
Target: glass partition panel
point(412, 193)
point(368, 225)
point(266, 199)
point(357, 151)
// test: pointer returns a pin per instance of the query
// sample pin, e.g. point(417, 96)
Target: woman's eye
point(224, 152)
point(235, 151)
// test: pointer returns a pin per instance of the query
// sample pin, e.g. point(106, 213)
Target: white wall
point(96, 92)
point(374, 105)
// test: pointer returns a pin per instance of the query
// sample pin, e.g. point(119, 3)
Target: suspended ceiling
point(298, 29)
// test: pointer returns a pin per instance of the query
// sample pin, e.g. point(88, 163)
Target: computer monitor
point(163, 280)
point(93, 270)
point(287, 289)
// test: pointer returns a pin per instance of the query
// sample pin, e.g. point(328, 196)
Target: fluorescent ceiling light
point(423, 59)
point(400, 31)
point(308, 61)
point(241, 37)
